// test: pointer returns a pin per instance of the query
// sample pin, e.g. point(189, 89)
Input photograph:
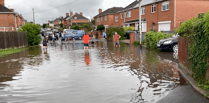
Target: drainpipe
point(15, 23)
point(140, 32)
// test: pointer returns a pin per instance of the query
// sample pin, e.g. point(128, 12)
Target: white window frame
point(128, 14)
point(166, 5)
point(105, 18)
point(101, 18)
point(153, 8)
point(121, 15)
point(97, 19)
point(116, 18)
point(143, 10)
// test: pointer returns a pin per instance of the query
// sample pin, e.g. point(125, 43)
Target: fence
point(13, 39)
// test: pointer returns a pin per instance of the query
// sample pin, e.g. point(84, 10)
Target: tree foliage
point(93, 22)
point(129, 28)
point(198, 46)
point(100, 27)
point(76, 27)
point(44, 25)
point(111, 31)
point(33, 32)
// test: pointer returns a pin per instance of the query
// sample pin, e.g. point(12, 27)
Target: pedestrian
point(73, 36)
point(104, 34)
point(86, 39)
point(117, 37)
point(45, 43)
point(53, 37)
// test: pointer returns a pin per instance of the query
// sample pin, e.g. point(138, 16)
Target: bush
point(100, 27)
point(111, 31)
point(136, 43)
point(197, 30)
point(151, 38)
point(129, 28)
point(76, 27)
point(33, 32)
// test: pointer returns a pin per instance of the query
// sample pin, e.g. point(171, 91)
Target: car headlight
point(167, 42)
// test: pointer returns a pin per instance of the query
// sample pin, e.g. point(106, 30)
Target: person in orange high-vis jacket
point(86, 39)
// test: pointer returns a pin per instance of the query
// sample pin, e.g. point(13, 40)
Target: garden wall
point(13, 39)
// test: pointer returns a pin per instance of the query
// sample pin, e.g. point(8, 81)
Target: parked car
point(78, 34)
point(169, 43)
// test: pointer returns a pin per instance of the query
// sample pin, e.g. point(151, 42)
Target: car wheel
point(175, 48)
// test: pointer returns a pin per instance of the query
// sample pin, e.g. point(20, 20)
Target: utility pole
point(140, 32)
point(33, 16)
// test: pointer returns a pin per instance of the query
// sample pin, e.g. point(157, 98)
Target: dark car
point(169, 43)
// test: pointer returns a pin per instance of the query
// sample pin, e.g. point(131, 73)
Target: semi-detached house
point(10, 20)
point(161, 15)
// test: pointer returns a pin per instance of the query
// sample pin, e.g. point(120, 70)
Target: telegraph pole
point(140, 32)
point(33, 16)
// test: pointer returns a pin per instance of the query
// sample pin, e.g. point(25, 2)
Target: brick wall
point(186, 9)
point(7, 20)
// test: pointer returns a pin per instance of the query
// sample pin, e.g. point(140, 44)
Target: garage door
point(164, 26)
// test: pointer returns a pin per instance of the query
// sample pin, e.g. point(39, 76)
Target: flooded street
point(103, 74)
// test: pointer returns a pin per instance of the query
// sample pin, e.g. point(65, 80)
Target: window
point(105, 18)
point(153, 8)
point(101, 18)
point(116, 18)
point(121, 15)
point(143, 10)
point(165, 6)
point(128, 14)
point(97, 19)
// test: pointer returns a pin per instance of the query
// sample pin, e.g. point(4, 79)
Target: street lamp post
point(140, 32)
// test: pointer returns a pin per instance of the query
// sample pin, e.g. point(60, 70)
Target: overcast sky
point(88, 7)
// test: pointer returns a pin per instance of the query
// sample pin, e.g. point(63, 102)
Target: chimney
point(71, 13)
point(2, 2)
point(12, 10)
point(67, 14)
point(100, 11)
point(81, 13)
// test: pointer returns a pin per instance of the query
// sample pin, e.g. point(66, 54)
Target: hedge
point(151, 38)
point(111, 31)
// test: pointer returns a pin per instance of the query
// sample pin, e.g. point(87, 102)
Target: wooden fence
point(13, 40)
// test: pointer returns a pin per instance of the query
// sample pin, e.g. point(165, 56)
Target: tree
point(44, 25)
point(93, 22)
point(100, 27)
point(76, 27)
point(61, 25)
point(33, 32)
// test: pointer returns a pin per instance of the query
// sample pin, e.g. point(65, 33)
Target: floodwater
point(102, 74)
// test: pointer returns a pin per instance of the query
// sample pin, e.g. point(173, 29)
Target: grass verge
point(11, 51)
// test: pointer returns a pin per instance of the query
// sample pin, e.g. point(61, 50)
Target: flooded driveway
point(103, 74)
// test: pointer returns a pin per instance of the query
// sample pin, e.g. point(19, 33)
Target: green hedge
point(33, 32)
point(151, 38)
point(129, 28)
point(111, 31)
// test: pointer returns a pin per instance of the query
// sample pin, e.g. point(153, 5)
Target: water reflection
point(87, 58)
point(156, 76)
point(102, 74)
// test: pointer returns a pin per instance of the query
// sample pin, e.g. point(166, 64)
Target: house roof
point(78, 16)
point(112, 10)
point(135, 4)
point(4, 9)
point(66, 17)
point(58, 19)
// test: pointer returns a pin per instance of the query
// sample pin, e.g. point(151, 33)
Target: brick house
point(57, 22)
point(107, 18)
point(161, 15)
point(10, 20)
point(77, 19)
